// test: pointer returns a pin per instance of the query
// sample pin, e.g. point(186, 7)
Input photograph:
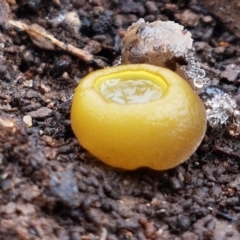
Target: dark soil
point(50, 187)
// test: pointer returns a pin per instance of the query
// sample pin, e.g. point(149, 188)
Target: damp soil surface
point(52, 188)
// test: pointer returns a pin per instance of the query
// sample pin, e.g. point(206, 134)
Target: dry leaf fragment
point(39, 37)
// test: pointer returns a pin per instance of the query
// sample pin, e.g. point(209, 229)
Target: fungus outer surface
point(160, 133)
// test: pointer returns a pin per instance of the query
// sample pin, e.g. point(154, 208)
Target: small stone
point(28, 83)
point(151, 7)
point(188, 18)
point(3, 69)
point(65, 76)
point(50, 105)
point(184, 222)
point(25, 209)
point(46, 89)
point(32, 94)
point(207, 19)
point(118, 20)
point(50, 153)
point(201, 46)
point(220, 50)
point(10, 208)
point(41, 113)
point(6, 123)
point(93, 47)
point(126, 183)
point(175, 183)
point(230, 73)
point(27, 119)
point(72, 22)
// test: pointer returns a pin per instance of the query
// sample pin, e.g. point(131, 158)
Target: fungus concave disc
point(130, 91)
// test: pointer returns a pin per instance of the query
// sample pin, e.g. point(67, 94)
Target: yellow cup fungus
point(138, 115)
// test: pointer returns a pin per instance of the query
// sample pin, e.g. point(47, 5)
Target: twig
point(41, 38)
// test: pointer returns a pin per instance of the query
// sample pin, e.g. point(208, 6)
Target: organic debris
point(41, 38)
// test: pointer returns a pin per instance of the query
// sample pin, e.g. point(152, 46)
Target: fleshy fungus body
point(138, 115)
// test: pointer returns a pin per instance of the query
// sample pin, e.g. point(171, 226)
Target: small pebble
point(230, 73)
point(41, 113)
point(207, 19)
point(151, 7)
point(28, 83)
point(175, 183)
point(27, 119)
point(72, 22)
point(188, 18)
